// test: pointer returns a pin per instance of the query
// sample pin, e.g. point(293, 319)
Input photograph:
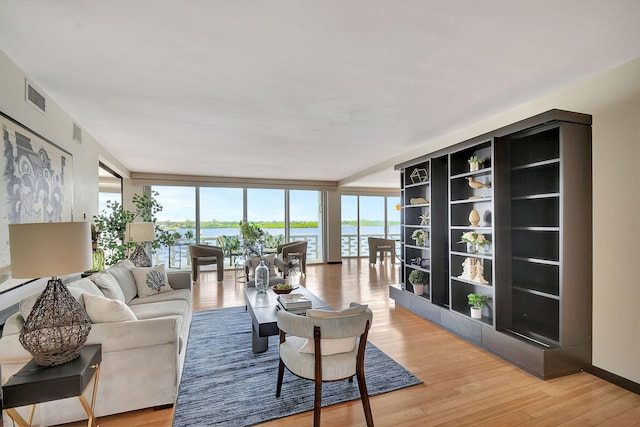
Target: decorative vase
point(472, 248)
point(474, 166)
point(418, 288)
point(262, 277)
point(98, 260)
point(474, 218)
point(476, 313)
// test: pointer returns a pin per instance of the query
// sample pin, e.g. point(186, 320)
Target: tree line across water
point(189, 224)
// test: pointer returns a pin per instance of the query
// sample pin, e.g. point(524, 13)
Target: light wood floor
point(463, 385)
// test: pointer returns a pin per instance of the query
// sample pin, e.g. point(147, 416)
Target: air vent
point(34, 96)
point(77, 134)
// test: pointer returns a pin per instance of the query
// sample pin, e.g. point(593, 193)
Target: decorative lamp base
point(57, 327)
point(140, 257)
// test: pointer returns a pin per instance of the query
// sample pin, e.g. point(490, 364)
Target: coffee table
point(263, 308)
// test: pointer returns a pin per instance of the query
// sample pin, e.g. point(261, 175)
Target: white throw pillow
point(108, 285)
point(151, 280)
point(336, 345)
point(106, 310)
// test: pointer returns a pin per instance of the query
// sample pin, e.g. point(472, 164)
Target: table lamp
point(140, 232)
point(58, 326)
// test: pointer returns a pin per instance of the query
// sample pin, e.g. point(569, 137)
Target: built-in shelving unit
point(531, 198)
point(416, 226)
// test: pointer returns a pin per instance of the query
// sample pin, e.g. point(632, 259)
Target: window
point(304, 221)
point(368, 216)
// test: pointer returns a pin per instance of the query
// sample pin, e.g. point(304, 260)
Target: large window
point(178, 214)
point(368, 216)
point(304, 221)
point(212, 214)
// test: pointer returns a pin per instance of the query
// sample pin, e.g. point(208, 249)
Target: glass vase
point(262, 277)
point(472, 248)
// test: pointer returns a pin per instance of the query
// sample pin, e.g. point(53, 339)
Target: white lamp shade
point(140, 232)
point(49, 249)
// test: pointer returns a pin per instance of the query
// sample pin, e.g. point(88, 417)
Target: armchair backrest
point(204, 251)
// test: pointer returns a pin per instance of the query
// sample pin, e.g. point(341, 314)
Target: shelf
point(534, 292)
point(536, 260)
point(425, 227)
point(417, 184)
point(471, 282)
point(472, 200)
point(417, 206)
point(550, 229)
point(415, 267)
point(537, 196)
point(479, 172)
point(427, 248)
point(536, 164)
point(468, 255)
point(470, 227)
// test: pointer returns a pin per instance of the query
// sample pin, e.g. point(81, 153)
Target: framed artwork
point(36, 185)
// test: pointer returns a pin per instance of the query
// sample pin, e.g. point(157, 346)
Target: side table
point(36, 384)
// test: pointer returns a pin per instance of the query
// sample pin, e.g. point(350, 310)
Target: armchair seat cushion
point(334, 367)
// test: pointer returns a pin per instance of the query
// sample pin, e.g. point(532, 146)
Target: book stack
point(294, 303)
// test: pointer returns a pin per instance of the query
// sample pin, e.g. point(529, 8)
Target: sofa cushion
point(86, 285)
point(176, 294)
point(151, 280)
point(122, 273)
point(26, 305)
point(107, 310)
point(161, 308)
point(333, 346)
point(108, 285)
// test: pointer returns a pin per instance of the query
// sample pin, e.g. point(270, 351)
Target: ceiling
point(310, 90)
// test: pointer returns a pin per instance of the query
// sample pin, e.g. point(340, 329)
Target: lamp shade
point(49, 249)
point(140, 232)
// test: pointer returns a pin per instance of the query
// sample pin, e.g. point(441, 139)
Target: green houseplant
point(417, 279)
point(112, 222)
point(477, 301)
point(474, 163)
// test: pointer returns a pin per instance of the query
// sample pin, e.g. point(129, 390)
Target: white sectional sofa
point(142, 359)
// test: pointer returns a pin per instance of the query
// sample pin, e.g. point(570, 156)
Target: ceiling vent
point(77, 134)
point(34, 96)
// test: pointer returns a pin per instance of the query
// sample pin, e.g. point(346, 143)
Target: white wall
point(57, 126)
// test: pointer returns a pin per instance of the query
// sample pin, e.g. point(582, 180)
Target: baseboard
point(615, 379)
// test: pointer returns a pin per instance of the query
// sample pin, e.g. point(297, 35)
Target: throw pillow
point(26, 305)
point(108, 285)
point(106, 310)
point(151, 280)
point(122, 273)
point(335, 345)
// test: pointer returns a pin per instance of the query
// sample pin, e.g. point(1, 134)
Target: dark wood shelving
point(537, 215)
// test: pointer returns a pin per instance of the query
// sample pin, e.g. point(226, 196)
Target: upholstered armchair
point(381, 246)
point(297, 250)
point(325, 346)
point(206, 255)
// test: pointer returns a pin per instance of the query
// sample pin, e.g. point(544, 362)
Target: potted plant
point(477, 301)
point(474, 163)
point(417, 279)
point(420, 236)
point(474, 240)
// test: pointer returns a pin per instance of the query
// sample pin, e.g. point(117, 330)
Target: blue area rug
point(225, 384)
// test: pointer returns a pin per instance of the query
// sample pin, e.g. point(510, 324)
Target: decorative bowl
point(282, 291)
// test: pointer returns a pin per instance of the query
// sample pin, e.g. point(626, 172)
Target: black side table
point(36, 384)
